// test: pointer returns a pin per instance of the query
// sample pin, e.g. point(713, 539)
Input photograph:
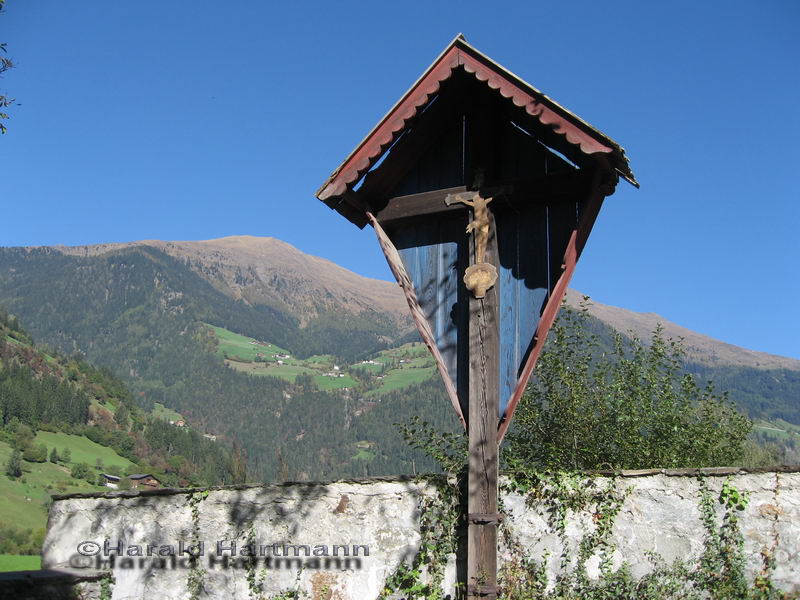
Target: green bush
point(35, 453)
point(83, 471)
point(629, 407)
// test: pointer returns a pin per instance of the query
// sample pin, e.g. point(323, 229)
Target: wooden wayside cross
point(469, 134)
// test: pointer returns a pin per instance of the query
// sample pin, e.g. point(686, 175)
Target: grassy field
point(778, 430)
point(82, 449)
point(374, 368)
point(22, 500)
point(363, 455)
point(290, 372)
point(417, 366)
point(410, 350)
point(242, 347)
point(323, 360)
point(334, 383)
point(12, 562)
point(162, 412)
point(402, 377)
point(407, 364)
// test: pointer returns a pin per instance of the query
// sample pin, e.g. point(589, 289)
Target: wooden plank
point(441, 164)
point(524, 286)
point(430, 127)
point(417, 205)
point(589, 209)
point(517, 193)
point(423, 326)
point(484, 343)
point(432, 255)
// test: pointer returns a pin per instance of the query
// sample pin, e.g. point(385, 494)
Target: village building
point(144, 480)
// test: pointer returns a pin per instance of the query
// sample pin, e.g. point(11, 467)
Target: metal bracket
point(485, 518)
point(483, 591)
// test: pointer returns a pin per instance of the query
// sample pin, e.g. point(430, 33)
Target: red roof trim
point(460, 53)
point(391, 126)
point(534, 107)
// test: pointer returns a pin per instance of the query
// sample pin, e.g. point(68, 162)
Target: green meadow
point(82, 449)
point(23, 500)
point(398, 367)
point(12, 562)
point(165, 414)
point(235, 346)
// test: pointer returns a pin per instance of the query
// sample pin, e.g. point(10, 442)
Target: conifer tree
point(14, 466)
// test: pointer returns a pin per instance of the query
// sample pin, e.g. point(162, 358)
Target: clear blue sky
point(187, 120)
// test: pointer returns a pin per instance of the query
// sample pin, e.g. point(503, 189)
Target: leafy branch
point(5, 65)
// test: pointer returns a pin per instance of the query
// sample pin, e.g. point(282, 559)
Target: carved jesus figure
point(479, 224)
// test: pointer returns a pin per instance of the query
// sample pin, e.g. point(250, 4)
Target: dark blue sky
point(186, 120)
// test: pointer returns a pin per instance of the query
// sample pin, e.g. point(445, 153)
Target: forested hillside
point(49, 391)
point(144, 314)
point(65, 422)
point(151, 317)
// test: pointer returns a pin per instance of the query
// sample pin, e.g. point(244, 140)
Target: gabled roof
point(460, 54)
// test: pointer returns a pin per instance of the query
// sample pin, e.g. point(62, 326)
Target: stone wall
point(358, 532)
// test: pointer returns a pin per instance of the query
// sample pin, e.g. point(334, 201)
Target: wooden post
point(484, 396)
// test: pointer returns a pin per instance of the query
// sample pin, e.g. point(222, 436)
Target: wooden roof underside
point(572, 132)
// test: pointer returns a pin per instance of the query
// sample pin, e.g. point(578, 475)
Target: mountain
point(151, 317)
point(700, 348)
point(765, 386)
point(267, 271)
point(286, 353)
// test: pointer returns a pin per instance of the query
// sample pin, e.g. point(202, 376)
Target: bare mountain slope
point(700, 348)
point(265, 270)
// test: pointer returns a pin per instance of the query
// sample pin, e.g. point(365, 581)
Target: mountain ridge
point(699, 347)
point(244, 267)
point(145, 314)
point(266, 270)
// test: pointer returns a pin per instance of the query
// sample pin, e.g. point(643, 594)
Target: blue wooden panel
point(434, 256)
point(531, 244)
point(524, 282)
point(562, 219)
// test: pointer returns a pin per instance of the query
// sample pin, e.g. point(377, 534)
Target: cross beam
point(566, 186)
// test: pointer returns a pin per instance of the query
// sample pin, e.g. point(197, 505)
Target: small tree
point(82, 471)
point(23, 436)
point(54, 455)
point(627, 407)
point(14, 465)
point(121, 416)
point(35, 453)
point(66, 455)
point(624, 407)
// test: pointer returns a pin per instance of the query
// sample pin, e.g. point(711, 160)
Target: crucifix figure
point(480, 275)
